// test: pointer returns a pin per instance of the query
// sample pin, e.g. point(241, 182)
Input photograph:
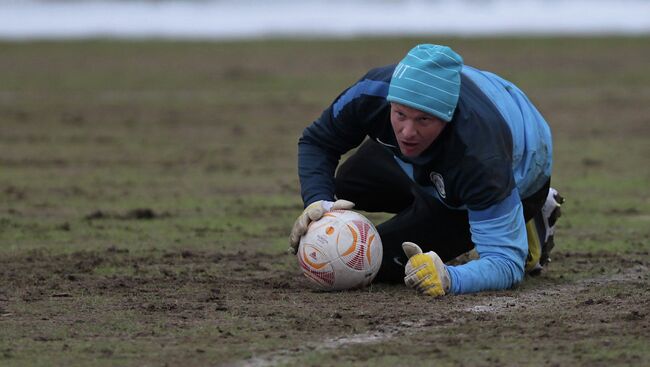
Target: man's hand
point(425, 272)
point(311, 213)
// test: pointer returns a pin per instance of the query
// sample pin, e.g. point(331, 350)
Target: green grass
point(204, 135)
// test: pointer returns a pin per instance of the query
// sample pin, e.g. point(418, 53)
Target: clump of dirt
point(14, 192)
point(623, 211)
point(133, 214)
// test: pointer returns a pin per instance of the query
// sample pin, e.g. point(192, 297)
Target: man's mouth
point(409, 148)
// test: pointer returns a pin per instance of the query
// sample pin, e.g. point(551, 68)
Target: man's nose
point(409, 129)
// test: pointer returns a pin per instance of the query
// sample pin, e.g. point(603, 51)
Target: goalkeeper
point(460, 155)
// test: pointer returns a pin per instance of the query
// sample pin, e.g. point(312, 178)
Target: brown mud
point(581, 297)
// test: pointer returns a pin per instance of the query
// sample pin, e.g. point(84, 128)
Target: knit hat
point(428, 79)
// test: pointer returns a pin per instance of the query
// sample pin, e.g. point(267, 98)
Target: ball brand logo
point(321, 239)
point(438, 183)
point(313, 270)
point(313, 264)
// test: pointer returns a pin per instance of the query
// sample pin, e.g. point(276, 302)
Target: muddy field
point(147, 190)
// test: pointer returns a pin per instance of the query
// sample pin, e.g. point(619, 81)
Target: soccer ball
point(342, 250)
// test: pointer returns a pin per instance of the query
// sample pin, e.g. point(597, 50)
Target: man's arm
point(316, 166)
point(499, 234)
point(340, 128)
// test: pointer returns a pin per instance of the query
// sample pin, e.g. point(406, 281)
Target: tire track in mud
point(529, 299)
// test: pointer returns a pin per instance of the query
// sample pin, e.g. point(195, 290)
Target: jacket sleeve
point(341, 127)
point(499, 234)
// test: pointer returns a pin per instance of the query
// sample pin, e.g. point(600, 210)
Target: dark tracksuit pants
point(372, 179)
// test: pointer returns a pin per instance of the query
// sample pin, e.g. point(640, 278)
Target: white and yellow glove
point(311, 213)
point(425, 272)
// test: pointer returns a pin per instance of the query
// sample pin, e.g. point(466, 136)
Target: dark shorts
point(372, 179)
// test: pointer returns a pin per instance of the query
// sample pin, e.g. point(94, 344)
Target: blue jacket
point(495, 151)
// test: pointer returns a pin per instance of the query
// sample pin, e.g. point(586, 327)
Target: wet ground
point(591, 309)
point(147, 190)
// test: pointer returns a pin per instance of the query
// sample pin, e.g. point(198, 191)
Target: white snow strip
point(233, 19)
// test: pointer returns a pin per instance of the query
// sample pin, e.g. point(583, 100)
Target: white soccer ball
point(340, 251)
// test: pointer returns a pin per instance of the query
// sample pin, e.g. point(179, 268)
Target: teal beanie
point(428, 79)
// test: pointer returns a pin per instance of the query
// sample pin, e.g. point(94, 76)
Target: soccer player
point(460, 155)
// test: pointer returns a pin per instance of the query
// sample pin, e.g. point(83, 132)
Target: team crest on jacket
point(438, 183)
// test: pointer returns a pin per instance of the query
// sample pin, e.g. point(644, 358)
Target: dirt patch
point(532, 303)
point(133, 214)
point(262, 301)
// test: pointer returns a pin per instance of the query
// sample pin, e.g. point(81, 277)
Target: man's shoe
point(551, 211)
point(541, 231)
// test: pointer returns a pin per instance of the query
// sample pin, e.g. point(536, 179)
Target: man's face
point(415, 130)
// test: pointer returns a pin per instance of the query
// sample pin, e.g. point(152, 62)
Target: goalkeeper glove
point(425, 272)
point(311, 213)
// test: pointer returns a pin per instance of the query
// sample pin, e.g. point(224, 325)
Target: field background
point(147, 190)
